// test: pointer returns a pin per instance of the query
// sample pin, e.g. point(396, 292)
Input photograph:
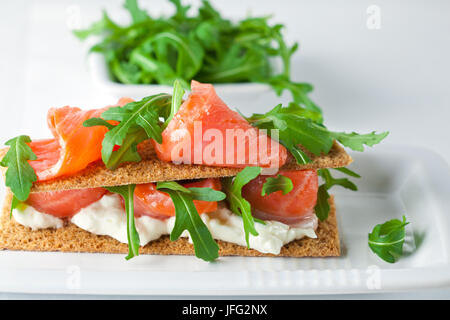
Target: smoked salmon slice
point(73, 147)
point(290, 208)
point(148, 201)
point(206, 131)
point(64, 204)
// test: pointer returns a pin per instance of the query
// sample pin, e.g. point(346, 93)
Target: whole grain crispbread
point(70, 238)
point(151, 169)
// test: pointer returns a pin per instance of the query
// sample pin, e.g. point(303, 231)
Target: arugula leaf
point(189, 52)
point(300, 156)
point(19, 175)
point(181, 10)
point(305, 132)
point(280, 183)
point(127, 193)
point(138, 121)
point(177, 99)
point(295, 129)
point(322, 207)
point(15, 203)
point(187, 217)
point(330, 181)
point(299, 126)
point(172, 185)
point(128, 150)
point(294, 108)
point(206, 194)
point(357, 141)
point(299, 93)
point(386, 240)
point(92, 122)
point(347, 171)
point(207, 11)
point(136, 13)
point(203, 194)
point(103, 25)
point(238, 205)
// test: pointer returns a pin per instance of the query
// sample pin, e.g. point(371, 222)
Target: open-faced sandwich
point(167, 176)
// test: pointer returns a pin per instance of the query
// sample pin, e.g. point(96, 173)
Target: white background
point(394, 78)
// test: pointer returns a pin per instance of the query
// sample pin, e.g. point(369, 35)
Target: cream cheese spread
point(107, 217)
point(32, 218)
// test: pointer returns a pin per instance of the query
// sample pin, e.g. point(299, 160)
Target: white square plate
point(396, 181)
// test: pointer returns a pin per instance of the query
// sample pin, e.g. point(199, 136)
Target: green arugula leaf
point(15, 203)
point(93, 122)
point(207, 11)
point(19, 175)
point(280, 183)
point(386, 240)
point(330, 181)
point(322, 207)
point(206, 194)
point(300, 156)
point(189, 52)
point(177, 99)
point(105, 24)
point(172, 185)
point(139, 121)
point(127, 193)
point(294, 108)
point(187, 218)
point(238, 205)
point(136, 13)
point(128, 150)
point(299, 126)
point(234, 67)
point(181, 11)
point(348, 172)
point(305, 132)
point(295, 129)
point(357, 141)
point(299, 93)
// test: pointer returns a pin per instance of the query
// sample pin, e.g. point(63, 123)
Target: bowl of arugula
point(244, 57)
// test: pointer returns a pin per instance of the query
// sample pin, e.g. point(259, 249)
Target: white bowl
point(102, 80)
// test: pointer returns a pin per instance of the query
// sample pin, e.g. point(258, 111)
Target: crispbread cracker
point(151, 169)
point(70, 238)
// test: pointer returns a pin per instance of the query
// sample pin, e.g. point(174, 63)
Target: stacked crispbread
point(70, 238)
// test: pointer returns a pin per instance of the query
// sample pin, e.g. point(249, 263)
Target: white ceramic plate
point(396, 180)
point(101, 79)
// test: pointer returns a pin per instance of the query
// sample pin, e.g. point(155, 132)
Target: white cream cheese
point(32, 218)
point(107, 217)
point(273, 235)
